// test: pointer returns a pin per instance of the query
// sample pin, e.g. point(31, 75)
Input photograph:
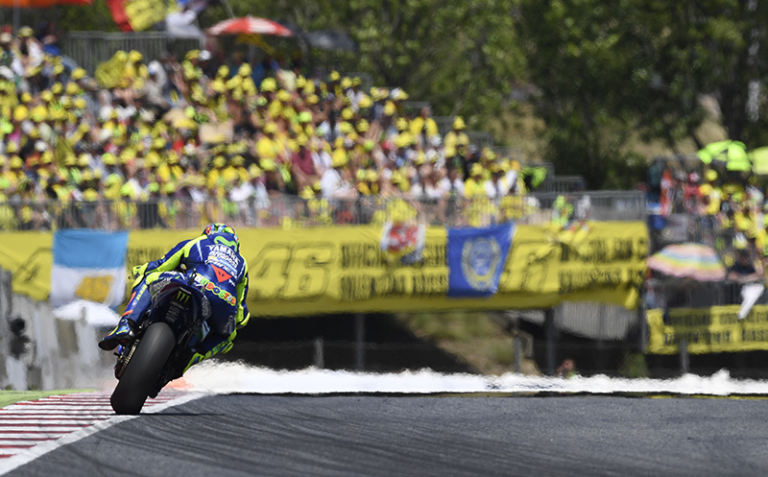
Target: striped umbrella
point(691, 260)
point(249, 25)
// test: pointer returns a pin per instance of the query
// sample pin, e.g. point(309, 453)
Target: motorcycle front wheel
point(143, 370)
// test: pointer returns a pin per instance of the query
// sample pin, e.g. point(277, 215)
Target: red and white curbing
point(30, 429)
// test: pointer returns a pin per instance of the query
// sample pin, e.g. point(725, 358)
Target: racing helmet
point(222, 229)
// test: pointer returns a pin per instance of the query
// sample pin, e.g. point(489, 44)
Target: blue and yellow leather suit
point(221, 273)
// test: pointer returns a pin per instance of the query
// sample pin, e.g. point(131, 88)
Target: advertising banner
point(379, 269)
point(28, 256)
point(345, 269)
point(707, 330)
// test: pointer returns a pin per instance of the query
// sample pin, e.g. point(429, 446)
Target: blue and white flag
point(476, 259)
point(88, 265)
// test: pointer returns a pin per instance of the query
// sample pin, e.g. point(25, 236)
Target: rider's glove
point(137, 272)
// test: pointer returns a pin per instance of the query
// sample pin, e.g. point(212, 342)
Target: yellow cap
point(20, 113)
point(78, 74)
point(306, 193)
point(458, 123)
point(254, 171)
point(268, 84)
point(339, 158)
point(268, 165)
point(219, 161)
point(365, 102)
point(152, 159)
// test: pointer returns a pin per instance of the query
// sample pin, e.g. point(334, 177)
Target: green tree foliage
point(607, 68)
point(460, 56)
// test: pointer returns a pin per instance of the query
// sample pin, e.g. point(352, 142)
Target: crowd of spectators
point(726, 210)
point(206, 137)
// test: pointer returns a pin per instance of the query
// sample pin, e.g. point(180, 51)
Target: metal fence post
point(684, 358)
point(518, 344)
point(319, 358)
point(360, 341)
point(549, 330)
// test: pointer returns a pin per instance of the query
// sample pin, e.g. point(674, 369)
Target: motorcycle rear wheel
point(142, 372)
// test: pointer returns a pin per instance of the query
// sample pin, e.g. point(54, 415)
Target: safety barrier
point(291, 211)
point(89, 48)
point(40, 351)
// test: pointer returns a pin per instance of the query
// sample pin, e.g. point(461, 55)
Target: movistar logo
point(222, 240)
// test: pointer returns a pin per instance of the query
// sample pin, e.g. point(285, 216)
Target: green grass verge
point(10, 397)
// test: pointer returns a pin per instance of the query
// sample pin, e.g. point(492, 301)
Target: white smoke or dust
point(221, 378)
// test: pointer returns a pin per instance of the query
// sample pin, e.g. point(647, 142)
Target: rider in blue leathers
point(221, 273)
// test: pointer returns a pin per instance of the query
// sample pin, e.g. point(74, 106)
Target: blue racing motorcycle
point(165, 334)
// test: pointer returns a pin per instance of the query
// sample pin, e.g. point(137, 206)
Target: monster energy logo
point(182, 296)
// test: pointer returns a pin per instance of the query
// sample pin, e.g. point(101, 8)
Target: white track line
point(12, 458)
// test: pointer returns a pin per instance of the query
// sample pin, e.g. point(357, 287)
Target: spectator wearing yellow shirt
point(267, 147)
point(424, 125)
point(711, 193)
point(475, 185)
point(456, 137)
point(215, 177)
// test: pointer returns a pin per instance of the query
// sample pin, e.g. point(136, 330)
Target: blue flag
point(88, 265)
point(476, 258)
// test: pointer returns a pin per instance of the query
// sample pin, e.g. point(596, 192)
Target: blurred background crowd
point(152, 141)
point(722, 207)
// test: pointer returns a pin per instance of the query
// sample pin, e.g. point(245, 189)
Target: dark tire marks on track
point(425, 436)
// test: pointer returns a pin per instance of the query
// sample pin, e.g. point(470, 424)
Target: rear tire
point(142, 372)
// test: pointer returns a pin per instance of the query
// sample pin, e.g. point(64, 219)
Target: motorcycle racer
point(220, 272)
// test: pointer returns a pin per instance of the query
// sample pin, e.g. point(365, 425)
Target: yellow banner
point(28, 255)
point(342, 269)
point(707, 330)
point(142, 14)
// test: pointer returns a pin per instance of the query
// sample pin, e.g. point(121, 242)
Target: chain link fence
point(89, 48)
point(295, 212)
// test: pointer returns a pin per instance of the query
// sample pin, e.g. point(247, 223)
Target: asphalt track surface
point(424, 436)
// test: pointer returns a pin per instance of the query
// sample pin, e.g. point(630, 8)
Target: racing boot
point(125, 331)
point(122, 334)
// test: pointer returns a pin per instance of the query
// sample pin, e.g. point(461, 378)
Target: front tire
point(142, 372)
